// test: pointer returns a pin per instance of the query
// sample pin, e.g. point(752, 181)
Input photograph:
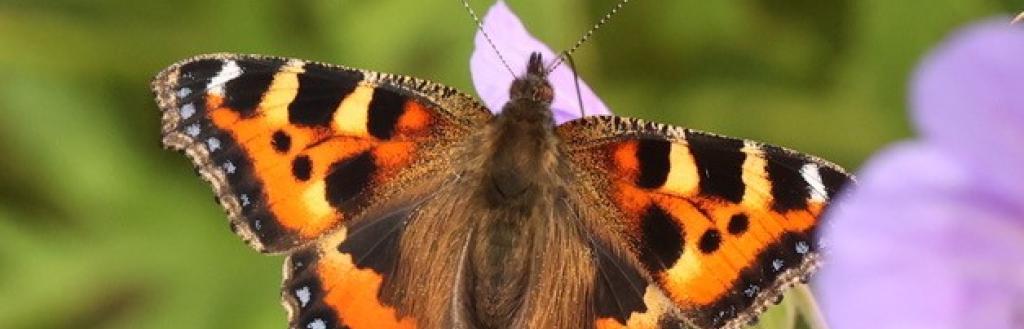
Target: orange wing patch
point(722, 225)
point(296, 148)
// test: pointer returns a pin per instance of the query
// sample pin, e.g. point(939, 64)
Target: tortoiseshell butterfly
point(402, 203)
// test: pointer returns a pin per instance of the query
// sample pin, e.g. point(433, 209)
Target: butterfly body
point(402, 203)
point(514, 222)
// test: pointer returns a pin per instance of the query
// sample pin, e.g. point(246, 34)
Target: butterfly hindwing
point(294, 148)
point(625, 297)
point(337, 282)
point(720, 225)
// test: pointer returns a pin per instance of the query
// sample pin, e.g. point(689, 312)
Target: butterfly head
point(533, 85)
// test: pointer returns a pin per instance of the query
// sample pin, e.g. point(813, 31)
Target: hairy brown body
point(524, 178)
point(519, 255)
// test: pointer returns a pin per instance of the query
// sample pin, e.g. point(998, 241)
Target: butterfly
point(403, 203)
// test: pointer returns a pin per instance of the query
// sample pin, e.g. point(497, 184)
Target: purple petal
point(492, 80)
point(969, 97)
point(916, 246)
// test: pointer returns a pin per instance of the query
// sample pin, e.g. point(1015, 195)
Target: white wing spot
point(751, 290)
point(229, 167)
point(316, 324)
point(813, 179)
point(245, 199)
point(802, 247)
point(187, 111)
point(777, 264)
point(192, 130)
point(303, 295)
point(184, 92)
point(257, 224)
point(213, 143)
point(228, 72)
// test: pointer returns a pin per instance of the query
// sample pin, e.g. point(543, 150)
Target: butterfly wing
point(338, 281)
point(720, 225)
point(295, 148)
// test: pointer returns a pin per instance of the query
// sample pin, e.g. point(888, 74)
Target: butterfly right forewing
point(721, 226)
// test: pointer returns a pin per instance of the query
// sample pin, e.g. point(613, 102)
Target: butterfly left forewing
point(324, 162)
point(720, 225)
point(295, 148)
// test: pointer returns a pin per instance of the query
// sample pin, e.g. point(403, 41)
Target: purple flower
point(492, 80)
point(933, 237)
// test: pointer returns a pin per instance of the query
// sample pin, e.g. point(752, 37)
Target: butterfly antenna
point(480, 26)
point(575, 81)
point(607, 17)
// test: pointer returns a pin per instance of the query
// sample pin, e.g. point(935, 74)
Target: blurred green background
point(101, 228)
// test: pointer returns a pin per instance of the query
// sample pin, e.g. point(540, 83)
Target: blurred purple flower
point(492, 80)
point(933, 237)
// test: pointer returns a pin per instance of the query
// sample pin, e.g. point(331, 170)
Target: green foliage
point(100, 228)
